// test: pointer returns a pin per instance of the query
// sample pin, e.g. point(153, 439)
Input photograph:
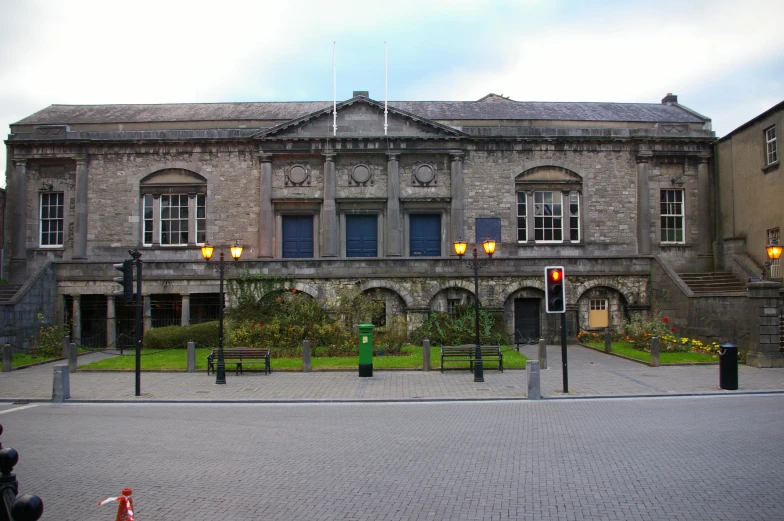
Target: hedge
point(205, 334)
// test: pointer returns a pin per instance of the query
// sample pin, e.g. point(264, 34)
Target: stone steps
point(7, 292)
point(713, 282)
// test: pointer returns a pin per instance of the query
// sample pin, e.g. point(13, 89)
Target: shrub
point(639, 329)
point(205, 334)
point(51, 336)
point(441, 328)
point(393, 336)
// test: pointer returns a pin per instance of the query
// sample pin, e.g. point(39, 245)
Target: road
point(693, 458)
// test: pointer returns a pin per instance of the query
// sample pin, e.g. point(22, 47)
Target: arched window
point(174, 208)
point(548, 205)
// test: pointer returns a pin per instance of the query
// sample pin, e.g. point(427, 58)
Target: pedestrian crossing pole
point(137, 257)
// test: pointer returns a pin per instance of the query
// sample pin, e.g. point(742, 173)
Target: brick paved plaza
point(692, 458)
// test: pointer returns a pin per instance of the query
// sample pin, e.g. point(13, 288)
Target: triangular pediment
point(360, 117)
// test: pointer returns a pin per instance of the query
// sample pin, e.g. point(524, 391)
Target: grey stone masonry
point(764, 317)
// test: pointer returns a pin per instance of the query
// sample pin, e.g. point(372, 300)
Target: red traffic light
point(556, 275)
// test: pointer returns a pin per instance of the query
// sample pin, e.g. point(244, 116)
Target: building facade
point(363, 195)
point(750, 186)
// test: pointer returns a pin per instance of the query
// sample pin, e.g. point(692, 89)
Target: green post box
point(365, 349)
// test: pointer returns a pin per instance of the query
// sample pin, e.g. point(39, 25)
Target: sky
point(723, 58)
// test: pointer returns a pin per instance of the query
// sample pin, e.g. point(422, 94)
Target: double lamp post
point(221, 268)
point(476, 264)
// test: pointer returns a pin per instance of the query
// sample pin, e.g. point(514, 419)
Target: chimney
point(363, 93)
point(669, 98)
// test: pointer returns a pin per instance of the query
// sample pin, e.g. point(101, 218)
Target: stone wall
point(707, 318)
point(19, 317)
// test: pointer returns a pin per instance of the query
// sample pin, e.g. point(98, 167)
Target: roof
point(772, 110)
point(490, 107)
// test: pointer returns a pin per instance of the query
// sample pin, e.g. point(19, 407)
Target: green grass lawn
point(626, 349)
point(176, 360)
point(24, 359)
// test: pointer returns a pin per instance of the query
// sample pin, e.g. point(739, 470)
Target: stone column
point(76, 319)
point(763, 319)
point(18, 265)
point(703, 208)
point(266, 214)
point(185, 317)
point(457, 213)
point(80, 219)
point(111, 321)
point(643, 204)
point(394, 223)
point(329, 216)
point(147, 312)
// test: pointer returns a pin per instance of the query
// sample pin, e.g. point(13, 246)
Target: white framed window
point(522, 217)
point(52, 220)
point(574, 217)
point(599, 315)
point(548, 217)
point(775, 266)
point(173, 208)
point(174, 219)
point(672, 216)
point(771, 150)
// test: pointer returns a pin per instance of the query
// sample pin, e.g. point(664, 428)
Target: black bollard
point(23, 508)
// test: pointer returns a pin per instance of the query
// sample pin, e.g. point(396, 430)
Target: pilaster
point(266, 214)
point(394, 226)
point(329, 218)
point(80, 219)
point(457, 211)
point(643, 203)
point(18, 265)
point(703, 208)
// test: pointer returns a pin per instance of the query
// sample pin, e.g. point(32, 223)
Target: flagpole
point(386, 88)
point(334, 90)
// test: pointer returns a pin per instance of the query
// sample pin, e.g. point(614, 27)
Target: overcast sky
point(723, 58)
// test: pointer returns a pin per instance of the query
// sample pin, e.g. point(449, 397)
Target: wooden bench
point(467, 353)
point(239, 355)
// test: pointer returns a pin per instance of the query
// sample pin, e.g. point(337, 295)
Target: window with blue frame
point(425, 235)
point(361, 236)
point(297, 236)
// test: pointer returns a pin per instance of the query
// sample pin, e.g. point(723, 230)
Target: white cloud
point(93, 51)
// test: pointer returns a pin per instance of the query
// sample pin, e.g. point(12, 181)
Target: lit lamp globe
point(206, 251)
point(774, 251)
point(236, 250)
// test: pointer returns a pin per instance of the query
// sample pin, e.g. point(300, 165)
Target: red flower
point(293, 290)
point(673, 330)
point(666, 320)
point(279, 299)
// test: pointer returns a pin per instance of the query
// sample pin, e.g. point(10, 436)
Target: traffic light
point(554, 289)
point(126, 281)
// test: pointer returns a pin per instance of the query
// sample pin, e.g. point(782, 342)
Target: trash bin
point(365, 349)
point(728, 367)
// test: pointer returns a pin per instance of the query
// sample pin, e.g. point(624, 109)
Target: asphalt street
point(691, 458)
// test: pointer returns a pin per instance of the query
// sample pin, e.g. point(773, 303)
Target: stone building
point(363, 195)
point(750, 186)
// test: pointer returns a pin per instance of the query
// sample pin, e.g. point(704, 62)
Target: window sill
point(770, 168)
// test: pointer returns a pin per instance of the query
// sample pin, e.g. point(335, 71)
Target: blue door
point(425, 233)
point(297, 236)
point(361, 236)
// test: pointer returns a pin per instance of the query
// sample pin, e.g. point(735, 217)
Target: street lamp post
point(221, 268)
point(476, 263)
